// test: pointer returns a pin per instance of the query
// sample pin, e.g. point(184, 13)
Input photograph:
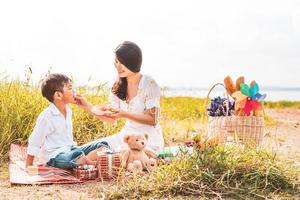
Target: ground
point(284, 138)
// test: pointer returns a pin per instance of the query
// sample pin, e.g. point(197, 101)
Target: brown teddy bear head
point(136, 141)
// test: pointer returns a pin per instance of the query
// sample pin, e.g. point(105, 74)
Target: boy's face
point(67, 96)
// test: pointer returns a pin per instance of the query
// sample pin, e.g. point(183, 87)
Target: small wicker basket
point(246, 130)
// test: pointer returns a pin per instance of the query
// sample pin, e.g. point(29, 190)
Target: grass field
point(210, 173)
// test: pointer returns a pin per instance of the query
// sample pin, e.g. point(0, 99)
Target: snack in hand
point(97, 111)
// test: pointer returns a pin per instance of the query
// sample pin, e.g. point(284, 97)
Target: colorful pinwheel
point(248, 98)
point(252, 92)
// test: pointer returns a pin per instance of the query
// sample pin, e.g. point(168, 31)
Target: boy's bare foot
point(91, 162)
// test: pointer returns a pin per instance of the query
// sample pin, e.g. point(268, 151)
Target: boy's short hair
point(53, 83)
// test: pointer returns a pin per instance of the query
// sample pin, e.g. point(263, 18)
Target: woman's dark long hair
point(130, 55)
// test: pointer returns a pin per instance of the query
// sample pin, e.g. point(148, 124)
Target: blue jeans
point(67, 160)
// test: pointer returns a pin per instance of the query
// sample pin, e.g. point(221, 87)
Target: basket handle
point(211, 89)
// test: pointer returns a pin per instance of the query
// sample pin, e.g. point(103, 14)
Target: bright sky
point(184, 43)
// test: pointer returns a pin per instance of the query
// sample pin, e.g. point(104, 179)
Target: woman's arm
point(151, 114)
point(148, 117)
point(110, 120)
point(87, 106)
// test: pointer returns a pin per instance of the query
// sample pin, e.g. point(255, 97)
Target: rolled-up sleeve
point(37, 136)
point(152, 95)
point(114, 100)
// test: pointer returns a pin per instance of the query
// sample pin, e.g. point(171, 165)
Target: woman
point(133, 96)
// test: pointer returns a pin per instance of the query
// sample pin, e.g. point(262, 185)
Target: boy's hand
point(29, 160)
point(32, 170)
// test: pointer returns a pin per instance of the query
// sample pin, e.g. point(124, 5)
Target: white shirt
point(148, 96)
point(52, 134)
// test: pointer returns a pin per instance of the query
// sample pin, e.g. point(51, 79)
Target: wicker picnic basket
point(246, 130)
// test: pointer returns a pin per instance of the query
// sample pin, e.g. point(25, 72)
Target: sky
point(190, 43)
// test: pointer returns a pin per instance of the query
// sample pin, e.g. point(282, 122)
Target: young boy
point(53, 134)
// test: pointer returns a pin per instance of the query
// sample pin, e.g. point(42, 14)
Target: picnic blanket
point(52, 175)
point(46, 174)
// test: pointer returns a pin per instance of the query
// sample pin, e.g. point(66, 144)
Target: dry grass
point(216, 173)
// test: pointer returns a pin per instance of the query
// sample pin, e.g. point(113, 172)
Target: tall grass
point(282, 104)
point(213, 172)
point(21, 104)
point(218, 172)
point(184, 108)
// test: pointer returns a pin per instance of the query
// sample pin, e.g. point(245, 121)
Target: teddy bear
point(138, 156)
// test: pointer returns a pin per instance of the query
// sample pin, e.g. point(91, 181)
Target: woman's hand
point(81, 101)
point(115, 113)
point(87, 106)
point(103, 113)
point(148, 117)
point(110, 120)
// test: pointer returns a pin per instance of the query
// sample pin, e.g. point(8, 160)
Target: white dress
point(148, 96)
